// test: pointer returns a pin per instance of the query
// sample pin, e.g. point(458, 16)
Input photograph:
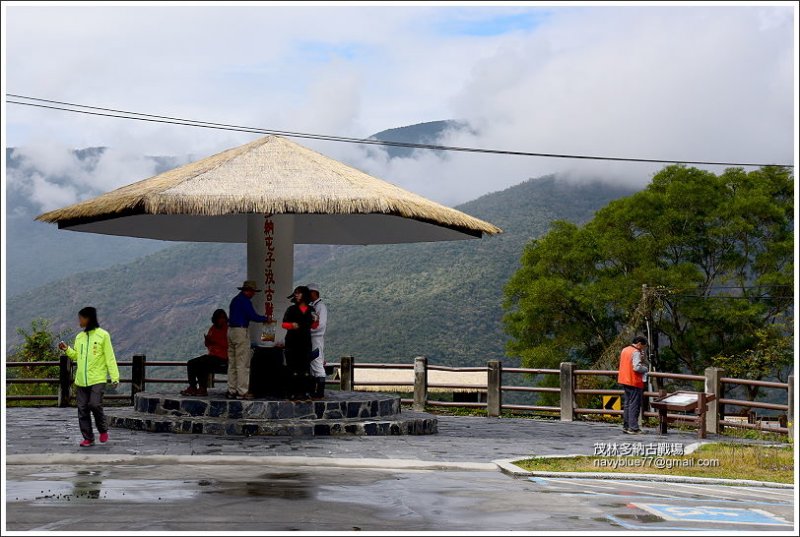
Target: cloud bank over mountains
point(682, 82)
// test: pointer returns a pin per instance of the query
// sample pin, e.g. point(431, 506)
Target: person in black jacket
point(298, 321)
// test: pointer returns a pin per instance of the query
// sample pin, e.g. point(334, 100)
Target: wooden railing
point(713, 382)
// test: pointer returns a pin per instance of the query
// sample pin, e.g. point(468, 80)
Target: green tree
point(40, 344)
point(719, 246)
point(770, 357)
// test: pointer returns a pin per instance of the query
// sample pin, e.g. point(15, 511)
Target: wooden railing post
point(702, 420)
point(420, 383)
point(790, 402)
point(567, 382)
point(138, 369)
point(494, 395)
point(346, 374)
point(64, 381)
point(713, 374)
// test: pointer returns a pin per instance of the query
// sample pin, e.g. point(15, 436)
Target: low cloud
point(676, 82)
point(50, 195)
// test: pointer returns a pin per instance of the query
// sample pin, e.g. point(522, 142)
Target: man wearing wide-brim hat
point(241, 315)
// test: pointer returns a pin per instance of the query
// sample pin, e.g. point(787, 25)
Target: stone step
point(407, 423)
point(336, 405)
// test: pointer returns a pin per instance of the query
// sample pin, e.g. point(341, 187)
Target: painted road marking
point(628, 526)
point(713, 493)
point(716, 492)
point(708, 513)
point(784, 493)
point(679, 499)
point(583, 483)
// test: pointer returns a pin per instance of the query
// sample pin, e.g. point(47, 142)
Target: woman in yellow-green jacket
point(96, 362)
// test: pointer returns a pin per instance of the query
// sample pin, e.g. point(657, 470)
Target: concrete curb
point(42, 459)
point(508, 467)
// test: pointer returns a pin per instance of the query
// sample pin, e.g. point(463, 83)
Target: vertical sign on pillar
point(269, 262)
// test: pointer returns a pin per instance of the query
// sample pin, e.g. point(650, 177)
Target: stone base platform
point(340, 413)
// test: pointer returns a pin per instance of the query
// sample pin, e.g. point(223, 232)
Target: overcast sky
point(693, 83)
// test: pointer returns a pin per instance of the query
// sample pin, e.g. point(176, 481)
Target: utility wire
point(138, 116)
point(763, 286)
point(732, 297)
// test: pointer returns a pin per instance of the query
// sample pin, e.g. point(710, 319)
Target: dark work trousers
point(631, 406)
point(200, 367)
point(90, 402)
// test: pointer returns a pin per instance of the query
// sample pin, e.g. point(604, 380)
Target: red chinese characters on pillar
point(269, 261)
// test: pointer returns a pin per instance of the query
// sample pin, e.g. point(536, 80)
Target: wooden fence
point(713, 382)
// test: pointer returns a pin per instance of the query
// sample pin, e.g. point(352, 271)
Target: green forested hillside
point(386, 302)
point(443, 300)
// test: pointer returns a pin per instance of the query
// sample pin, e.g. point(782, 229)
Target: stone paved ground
point(460, 439)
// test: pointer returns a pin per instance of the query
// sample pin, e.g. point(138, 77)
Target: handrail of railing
point(758, 426)
point(592, 391)
point(360, 365)
point(654, 374)
point(677, 376)
point(692, 418)
point(383, 383)
point(22, 380)
point(543, 389)
point(457, 386)
point(165, 381)
point(32, 364)
point(764, 383)
point(457, 404)
point(531, 371)
point(754, 404)
point(454, 369)
point(533, 407)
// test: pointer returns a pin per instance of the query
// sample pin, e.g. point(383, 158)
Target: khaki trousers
point(239, 355)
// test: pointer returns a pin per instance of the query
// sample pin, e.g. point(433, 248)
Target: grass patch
point(735, 461)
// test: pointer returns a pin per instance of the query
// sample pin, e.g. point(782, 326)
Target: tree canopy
point(717, 248)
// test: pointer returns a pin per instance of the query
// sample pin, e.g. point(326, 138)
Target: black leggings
point(199, 368)
point(90, 403)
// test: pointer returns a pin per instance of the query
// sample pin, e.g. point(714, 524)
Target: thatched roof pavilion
point(272, 194)
point(274, 176)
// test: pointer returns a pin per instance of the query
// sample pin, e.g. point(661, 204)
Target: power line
point(762, 286)
point(154, 118)
point(732, 297)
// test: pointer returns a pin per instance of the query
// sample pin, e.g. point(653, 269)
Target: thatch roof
point(271, 175)
point(471, 381)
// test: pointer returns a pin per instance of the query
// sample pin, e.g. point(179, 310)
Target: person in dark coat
point(298, 321)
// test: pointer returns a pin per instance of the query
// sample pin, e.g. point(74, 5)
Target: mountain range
point(386, 302)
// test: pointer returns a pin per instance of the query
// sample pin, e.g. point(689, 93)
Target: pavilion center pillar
point(270, 262)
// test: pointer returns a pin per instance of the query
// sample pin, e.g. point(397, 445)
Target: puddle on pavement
point(646, 519)
point(88, 486)
point(288, 486)
point(63, 487)
point(130, 490)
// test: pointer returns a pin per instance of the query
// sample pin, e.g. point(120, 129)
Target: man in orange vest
point(632, 368)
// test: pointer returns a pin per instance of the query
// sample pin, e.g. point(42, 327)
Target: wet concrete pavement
point(274, 493)
point(460, 438)
point(260, 498)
